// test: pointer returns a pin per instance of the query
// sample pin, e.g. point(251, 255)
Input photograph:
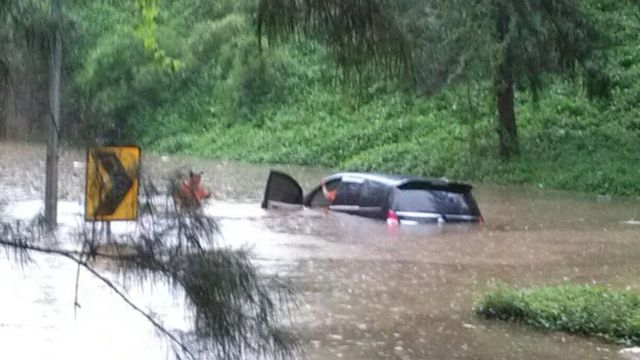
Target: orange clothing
point(191, 192)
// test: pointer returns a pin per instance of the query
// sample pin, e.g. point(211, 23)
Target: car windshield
point(435, 201)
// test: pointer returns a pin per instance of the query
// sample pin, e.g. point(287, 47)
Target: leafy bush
point(579, 309)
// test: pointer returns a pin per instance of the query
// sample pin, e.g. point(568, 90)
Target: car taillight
point(392, 218)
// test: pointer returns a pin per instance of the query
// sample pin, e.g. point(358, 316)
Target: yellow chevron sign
point(112, 183)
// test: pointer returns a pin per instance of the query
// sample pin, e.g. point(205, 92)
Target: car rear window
point(435, 201)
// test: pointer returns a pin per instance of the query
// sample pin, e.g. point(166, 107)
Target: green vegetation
point(512, 43)
point(579, 309)
point(204, 86)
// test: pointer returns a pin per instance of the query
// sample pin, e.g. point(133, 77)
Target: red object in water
point(192, 192)
point(392, 218)
point(330, 195)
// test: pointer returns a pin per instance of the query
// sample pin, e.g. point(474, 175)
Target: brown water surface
point(366, 291)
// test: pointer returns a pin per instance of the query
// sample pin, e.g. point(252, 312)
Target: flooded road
point(365, 291)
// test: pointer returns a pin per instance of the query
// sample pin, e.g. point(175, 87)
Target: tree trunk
point(4, 86)
point(503, 87)
point(3, 116)
point(507, 129)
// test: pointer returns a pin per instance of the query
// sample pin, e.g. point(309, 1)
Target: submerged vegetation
point(215, 91)
point(579, 309)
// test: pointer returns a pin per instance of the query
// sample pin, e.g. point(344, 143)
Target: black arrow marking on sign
point(120, 183)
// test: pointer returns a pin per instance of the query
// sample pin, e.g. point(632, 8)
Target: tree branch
point(70, 254)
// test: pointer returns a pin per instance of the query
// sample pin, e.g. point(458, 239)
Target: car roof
point(396, 180)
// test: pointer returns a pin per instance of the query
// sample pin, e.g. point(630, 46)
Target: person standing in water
point(191, 193)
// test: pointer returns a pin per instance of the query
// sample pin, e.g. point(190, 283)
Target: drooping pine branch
point(362, 35)
point(234, 307)
point(77, 257)
point(534, 36)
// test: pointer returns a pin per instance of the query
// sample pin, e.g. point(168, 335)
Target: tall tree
point(23, 22)
point(24, 29)
point(514, 41)
point(521, 41)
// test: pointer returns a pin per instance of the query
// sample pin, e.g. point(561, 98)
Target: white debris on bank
point(630, 353)
point(631, 222)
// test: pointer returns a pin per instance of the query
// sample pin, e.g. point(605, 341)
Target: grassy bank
point(284, 105)
point(568, 142)
point(579, 309)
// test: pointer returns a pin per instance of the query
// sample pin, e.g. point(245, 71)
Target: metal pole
point(55, 70)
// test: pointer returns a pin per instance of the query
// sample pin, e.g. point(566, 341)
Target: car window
point(373, 194)
point(435, 201)
point(317, 197)
point(348, 192)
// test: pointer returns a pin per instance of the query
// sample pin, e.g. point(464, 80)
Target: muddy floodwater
point(364, 291)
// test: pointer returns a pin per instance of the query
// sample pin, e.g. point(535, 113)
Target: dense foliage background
point(222, 95)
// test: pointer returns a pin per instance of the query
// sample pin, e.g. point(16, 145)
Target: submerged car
point(394, 198)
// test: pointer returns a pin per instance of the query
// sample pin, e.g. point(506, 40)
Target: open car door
point(282, 192)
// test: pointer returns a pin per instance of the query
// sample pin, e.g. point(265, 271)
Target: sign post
point(112, 183)
point(55, 70)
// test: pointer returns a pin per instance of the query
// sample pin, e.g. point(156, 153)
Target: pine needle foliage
point(362, 35)
point(235, 309)
point(533, 36)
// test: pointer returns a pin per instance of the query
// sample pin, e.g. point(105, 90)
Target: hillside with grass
point(288, 103)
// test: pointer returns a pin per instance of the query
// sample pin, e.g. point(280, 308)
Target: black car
point(395, 198)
